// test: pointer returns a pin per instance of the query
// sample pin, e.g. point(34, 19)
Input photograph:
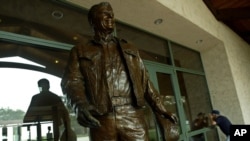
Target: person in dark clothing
point(46, 98)
point(223, 122)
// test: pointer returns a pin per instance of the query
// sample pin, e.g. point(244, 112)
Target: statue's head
point(101, 17)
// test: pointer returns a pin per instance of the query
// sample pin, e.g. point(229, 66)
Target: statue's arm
point(73, 85)
point(73, 82)
point(153, 98)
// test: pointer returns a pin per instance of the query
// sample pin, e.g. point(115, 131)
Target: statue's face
point(104, 20)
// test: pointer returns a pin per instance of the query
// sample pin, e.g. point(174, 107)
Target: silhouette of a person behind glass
point(47, 98)
point(49, 134)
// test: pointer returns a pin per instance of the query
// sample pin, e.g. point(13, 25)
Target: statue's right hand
point(84, 118)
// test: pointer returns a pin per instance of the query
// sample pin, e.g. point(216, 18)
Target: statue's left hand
point(160, 108)
point(174, 118)
point(171, 116)
point(84, 118)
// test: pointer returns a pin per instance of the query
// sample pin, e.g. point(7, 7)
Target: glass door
point(179, 100)
point(165, 81)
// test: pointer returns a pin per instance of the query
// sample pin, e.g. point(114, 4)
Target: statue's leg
point(131, 125)
point(125, 124)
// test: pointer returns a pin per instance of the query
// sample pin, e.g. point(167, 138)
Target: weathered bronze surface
point(107, 84)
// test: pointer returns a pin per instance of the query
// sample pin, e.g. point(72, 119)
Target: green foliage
point(10, 114)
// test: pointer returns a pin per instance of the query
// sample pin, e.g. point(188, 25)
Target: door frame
point(152, 68)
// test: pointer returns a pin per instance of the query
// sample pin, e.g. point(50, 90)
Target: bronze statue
point(107, 84)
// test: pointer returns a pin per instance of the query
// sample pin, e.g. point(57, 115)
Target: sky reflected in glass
point(19, 85)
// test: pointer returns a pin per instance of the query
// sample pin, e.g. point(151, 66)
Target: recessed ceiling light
point(57, 14)
point(56, 61)
point(158, 21)
point(199, 41)
point(75, 38)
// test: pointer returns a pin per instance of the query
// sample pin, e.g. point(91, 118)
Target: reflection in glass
point(45, 25)
point(194, 92)
point(167, 95)
point(151, 48)
point(167, 92)
point(150, 123)
point(194, 89)
point(186, 58)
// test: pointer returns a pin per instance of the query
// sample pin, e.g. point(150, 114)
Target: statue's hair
point(93, 10)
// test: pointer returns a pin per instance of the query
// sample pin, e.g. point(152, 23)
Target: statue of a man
point(107, 84)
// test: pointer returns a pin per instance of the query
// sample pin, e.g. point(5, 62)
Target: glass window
point(194, 93)
point(166, 90)
point(151, 48)
point(22, 65)
point(167, 95)
point(53, 60)
point(196, 101)
point(186, 58)
point(50, 20)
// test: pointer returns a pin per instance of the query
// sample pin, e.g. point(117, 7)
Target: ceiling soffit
point(234, 13)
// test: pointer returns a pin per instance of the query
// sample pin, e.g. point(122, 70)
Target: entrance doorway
point(178, 100)
point(163, 78)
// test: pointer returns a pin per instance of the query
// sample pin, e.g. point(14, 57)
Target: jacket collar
point(103, 41)
point(127, 48)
